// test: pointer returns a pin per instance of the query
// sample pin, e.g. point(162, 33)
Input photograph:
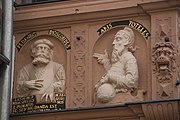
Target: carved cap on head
point(129, 32)
point(43, 41)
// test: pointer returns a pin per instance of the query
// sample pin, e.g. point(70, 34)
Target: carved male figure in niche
point(122, 70)
point(42, 77)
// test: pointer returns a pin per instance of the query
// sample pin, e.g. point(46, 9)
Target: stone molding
point(148, 110)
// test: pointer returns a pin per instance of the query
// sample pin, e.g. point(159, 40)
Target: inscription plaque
point(28, 104)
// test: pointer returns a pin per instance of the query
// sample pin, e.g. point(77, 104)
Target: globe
point(105, 93)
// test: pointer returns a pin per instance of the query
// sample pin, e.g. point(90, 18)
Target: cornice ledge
point(68, 8)
point(160, 6)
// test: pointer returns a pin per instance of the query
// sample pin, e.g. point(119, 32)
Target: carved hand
point(102, 58)
point(49, 93)
point(115, 78)
point(103, 80)
point(112, 77)
point(59, 86)
point(34, 84)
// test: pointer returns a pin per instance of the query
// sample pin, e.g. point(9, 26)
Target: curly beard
point(116, 53)
point(41, 59)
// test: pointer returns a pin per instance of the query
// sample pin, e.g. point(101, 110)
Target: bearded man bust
point(121, 71)
point(42, 77)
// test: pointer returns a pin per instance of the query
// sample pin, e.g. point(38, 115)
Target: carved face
point(121, 39)
point(164, 56)
point(42, 54)
point(119, 44)
point(42, 50)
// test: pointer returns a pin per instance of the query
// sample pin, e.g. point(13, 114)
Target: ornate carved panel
point(178, 33)
point(164, 55)
point(163, 28)
point(78, 61)
point(161, 111)
point(178, 53)
point(164, 66)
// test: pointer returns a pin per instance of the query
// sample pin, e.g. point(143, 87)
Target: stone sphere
point(105, 93)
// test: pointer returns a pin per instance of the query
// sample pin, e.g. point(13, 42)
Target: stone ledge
point(147, 110)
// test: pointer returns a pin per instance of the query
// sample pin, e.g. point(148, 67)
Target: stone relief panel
point(40, 71)
point(164, 67)
point(178, 33)
point(164, 55)
point(178, 53)
point(78, 62)
point(164, 61)
point(163, 28)
point(41, 77)
point(121, 71)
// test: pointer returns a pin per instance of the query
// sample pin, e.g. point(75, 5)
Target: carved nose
point(161, 58)
point(113, 43)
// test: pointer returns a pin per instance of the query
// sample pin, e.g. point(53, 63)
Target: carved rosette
point(78, 69)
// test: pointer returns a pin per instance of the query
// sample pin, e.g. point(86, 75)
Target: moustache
point(42, 55)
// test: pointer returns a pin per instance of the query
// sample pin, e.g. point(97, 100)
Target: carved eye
point(118, 39)
point(165, 53)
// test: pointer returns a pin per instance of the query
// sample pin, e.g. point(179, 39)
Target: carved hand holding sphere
point(105, 93)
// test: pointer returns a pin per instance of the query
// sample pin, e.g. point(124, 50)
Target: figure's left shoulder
point(129, 56)
point(56, 65)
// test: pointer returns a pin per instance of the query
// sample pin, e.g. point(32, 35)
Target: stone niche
point(105, 42)
point(31, 75)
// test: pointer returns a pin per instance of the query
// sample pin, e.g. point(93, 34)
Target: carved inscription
point(25, 39)
point(135, 25)
point(51, 32)
point(140, 28)
point(61, 37)
point(28, 104)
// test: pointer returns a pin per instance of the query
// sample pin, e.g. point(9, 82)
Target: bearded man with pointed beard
point(122, 70)
point(42, 77)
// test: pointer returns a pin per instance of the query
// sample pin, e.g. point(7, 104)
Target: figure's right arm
point(22, 90)
point(25, 84)
point(103, 59)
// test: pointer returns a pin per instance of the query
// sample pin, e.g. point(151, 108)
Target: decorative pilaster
point(79, 71)
point(164, 62)
point(164, 52)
